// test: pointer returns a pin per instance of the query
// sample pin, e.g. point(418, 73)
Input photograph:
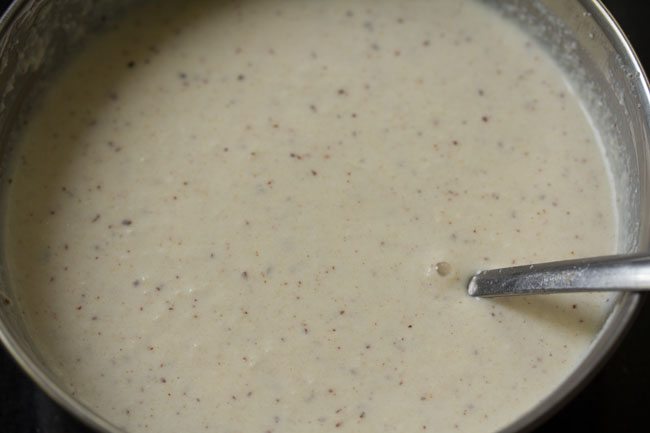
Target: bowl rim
point(628, 305)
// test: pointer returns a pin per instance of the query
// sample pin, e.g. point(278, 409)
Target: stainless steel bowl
point(37, 35)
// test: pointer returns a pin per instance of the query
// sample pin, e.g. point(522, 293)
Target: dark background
point(616, 400)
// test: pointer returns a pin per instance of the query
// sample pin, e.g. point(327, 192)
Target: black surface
point(616, 400)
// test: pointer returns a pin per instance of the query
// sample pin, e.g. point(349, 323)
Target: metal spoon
point(610, 273)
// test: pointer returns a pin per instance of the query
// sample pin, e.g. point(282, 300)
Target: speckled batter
point(260, 216)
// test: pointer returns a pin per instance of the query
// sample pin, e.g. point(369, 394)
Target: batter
point(260, 216)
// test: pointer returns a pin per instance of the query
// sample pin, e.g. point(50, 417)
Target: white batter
point(260, 216)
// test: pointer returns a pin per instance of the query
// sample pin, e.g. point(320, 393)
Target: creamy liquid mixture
point(260, 216)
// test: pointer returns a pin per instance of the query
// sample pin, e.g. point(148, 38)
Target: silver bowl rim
point(618, 322)
point(628, 305)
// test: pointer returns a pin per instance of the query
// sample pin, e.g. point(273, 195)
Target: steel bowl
point(36, 36)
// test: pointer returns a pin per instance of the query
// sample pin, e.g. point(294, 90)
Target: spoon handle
point(609, 273)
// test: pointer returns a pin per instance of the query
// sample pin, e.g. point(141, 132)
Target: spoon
point(629, 272)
